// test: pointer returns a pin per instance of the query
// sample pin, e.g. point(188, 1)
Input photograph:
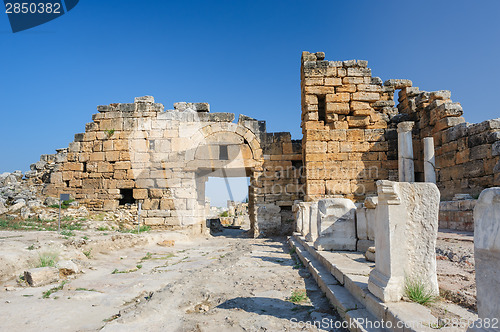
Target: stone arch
point(251, 167)
point(205, 132)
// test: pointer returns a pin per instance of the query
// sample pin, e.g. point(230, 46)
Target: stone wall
point(457, 215)
point(346, 123)
point(139, 152)
point(467, 155)
point(349, 125)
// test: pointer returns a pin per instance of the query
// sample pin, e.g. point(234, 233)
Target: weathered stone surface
point(41, 276)
point(304, 214)
point(429, 160)
point(398, 83)
point(67, 267)
point(371, 202)
point(336, 225)
point(405, 238)
point(487, 253)
point(312, 234)
point(370, 254)
point(405, 152)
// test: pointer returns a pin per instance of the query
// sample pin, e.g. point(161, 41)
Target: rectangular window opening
point(322, 108)
point(127, 196)
point(223, 155)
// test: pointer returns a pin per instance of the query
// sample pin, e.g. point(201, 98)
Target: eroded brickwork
point(467, 155)
point(346, 123)
point(140, 153)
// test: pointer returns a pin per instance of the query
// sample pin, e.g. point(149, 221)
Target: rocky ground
point(455, 268)
point(142, 283)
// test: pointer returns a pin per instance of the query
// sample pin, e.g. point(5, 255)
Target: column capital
point(405, 126)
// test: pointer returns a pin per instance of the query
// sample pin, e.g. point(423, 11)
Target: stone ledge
point(348, 290)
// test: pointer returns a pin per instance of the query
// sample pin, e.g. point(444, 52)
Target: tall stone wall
point(279, 184)
point(348, 140)
point(139, 152)
point(467, 155)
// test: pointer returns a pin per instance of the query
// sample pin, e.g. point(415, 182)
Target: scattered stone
point(51, 201)
point(67, 268)
point(41, 276)
point(370, 254)
point(166, 243)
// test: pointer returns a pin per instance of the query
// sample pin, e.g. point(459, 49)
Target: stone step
point(343, 276)
point(349, 308)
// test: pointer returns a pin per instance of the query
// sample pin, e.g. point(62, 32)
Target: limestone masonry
point(139, 152)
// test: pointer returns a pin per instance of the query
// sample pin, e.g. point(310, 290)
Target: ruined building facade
point(139, 152)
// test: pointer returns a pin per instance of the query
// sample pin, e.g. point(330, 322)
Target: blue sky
point(239, 56)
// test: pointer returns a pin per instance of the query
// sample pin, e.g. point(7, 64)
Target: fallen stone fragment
point(67, 268)
point(41, 276)
point(166, 243)
point(370, 254)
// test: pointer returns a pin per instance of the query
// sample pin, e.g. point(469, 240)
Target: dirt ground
point(455, 268)
point(224, 283)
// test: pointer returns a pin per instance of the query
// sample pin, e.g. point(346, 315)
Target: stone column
point(313, 223)
point(405, 238)
point(302, 218)
point(405, 152)
point(487, 259)
point(429, 161)
point(296, 215)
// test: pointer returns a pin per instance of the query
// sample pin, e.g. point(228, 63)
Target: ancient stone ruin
point(353, 136)
point(362, 193)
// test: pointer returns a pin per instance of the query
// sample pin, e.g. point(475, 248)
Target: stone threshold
point(343, 277)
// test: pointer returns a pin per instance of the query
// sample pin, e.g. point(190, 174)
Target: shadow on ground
point(266, 306)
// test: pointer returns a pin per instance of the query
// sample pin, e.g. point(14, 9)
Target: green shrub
point(47, 259)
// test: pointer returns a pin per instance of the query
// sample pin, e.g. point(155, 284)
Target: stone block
point(495, 149)
point(365, 96)
point(361, 224)
point(41, 276)
point(405, 238)
point(448, 122)
point(487, 253)
point(336, 225)
point(353, 71)
point(338, 97)
point(356, 135)
point(337, 108)
point(333, 81)
point(361, 106)
point(398, 83)
point(358, 121)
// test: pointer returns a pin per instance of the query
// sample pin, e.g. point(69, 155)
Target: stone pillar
point(405, 238)
point(405, 152)
point(336, 225)
point(296, 216)
point(302, 218)
point(487, 258)
point(429, 161)
point(313, 223)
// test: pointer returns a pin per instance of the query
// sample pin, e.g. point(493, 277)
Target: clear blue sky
point(240, 56)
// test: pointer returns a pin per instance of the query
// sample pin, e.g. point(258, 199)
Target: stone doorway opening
point(225, 194)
